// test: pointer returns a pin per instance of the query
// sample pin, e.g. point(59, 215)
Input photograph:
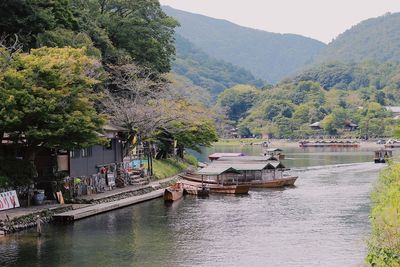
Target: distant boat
point(382, 155)
point(216, 156)
point(323, 143)
point(274, 152)
point(392, 144)
point(173, 192)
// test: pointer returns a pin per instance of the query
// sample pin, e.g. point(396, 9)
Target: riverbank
point(15, 220)
point(280, 143)
point(384, 243)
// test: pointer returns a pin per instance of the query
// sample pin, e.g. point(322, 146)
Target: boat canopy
point(274, 150)
point(219, 155)
point(216, 170)
point(246, 159)
point(240, 166)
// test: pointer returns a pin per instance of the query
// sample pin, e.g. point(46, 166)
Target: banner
point(9, 200)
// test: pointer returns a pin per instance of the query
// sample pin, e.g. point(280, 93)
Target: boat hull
point(217, 188)
point(275, 183)
point(173, 193)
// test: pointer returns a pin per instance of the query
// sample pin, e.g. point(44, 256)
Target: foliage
point(269, 56)
point(163, 168)
point(238, 100)
point(209, 73)
point(373, 39)
point(16, 172)
point(112, 27)
point(47, 101)
point(384, 243)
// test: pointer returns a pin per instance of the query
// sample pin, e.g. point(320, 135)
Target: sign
point(9, 200)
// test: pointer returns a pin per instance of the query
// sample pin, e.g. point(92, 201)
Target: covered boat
point(382, 155)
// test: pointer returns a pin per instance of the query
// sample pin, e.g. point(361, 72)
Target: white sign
point(9, 200)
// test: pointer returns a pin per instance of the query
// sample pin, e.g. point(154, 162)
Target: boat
point(382, 155)
point(173, 192)
point(323, 143)
point(216, 188)
point(273, 183)
point(392, 144)
point(198, 190)
point(216, 156)
point(274, 152)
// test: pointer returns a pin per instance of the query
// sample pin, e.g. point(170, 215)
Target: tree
point(238, 100)
point(46, 100)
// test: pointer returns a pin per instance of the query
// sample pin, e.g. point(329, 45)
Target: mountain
point(269, 56)
point(376, 39)
point(206, 72)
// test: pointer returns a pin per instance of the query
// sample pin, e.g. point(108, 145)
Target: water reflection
point(322, 221)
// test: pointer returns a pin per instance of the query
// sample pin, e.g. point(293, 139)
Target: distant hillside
point(184, 87)
point(375, 39)
point(269, 56)
point(209, 73)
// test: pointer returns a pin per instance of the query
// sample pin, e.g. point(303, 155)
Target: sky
point(319, 19)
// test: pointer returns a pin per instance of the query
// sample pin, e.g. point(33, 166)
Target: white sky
point(320, 19)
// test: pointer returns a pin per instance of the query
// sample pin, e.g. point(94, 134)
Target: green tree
point(238, 100)
point(46, 100)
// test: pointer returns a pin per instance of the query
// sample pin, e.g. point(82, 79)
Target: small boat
point(216, 156)
point(382, 155)
point(274, 152)
point(173, 192)
point(198, 190)
point(323, 143)
point(392, 144)
point(218, 188)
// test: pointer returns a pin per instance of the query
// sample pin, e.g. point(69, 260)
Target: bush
point(384, 243)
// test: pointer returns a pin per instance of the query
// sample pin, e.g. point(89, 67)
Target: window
point(86, 152)
point(109, 145)
point(74, 153)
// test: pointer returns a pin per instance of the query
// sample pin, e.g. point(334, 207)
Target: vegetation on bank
point(384, 243)
point(346, 100)
point(164, 168)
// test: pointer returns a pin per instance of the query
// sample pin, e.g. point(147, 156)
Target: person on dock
point(39, 222)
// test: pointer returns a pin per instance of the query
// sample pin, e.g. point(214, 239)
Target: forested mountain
point(269, 56)
point(209, 73)
point(375, 39)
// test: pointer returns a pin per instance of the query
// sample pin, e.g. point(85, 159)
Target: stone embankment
point(22, 218)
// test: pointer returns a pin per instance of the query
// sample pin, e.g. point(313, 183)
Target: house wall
point(86, 166)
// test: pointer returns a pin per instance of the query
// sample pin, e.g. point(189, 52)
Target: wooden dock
point(95, 209)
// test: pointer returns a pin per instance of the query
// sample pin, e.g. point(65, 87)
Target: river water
point(322, 221)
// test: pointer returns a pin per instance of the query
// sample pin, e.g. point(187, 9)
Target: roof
point(246, 159)
point(219, 155)
point(393, 109)
point(315, 124)
point(109, 127)
point(274, 150)
point(216, 170)
point(246, 166)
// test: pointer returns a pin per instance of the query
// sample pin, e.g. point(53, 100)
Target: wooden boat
point(198, 190)
point(173, 192)
point(329, 144)
point(275, 183)
point(279, 182)
point(216, 156)
point(218, 188)
point(274, 152)
point(382, 155)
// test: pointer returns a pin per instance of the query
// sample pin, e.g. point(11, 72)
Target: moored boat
point(324, 143)
point(273, 183)
point(383, 155)
point(173, 192)
point(217, 188)
point(274, 152)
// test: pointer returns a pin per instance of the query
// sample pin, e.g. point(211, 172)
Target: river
point(322, 221)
